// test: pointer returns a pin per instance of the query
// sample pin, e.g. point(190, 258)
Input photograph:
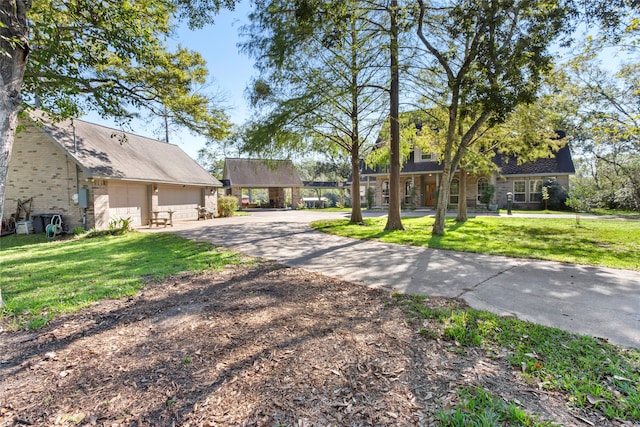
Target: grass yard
point(592, 373)
point(598, 242)
point(41, 278)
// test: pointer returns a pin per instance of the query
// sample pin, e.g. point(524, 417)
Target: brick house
point(420, 177)
point(91, 174)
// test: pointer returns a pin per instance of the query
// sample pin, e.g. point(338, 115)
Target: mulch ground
point(258, 345)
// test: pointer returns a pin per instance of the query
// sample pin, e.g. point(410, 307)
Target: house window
point(535, 190)
point(385, 193)
point(422, 156)
point(483, 184)
point(454, 194)
point(408, 193)
point(519, 191)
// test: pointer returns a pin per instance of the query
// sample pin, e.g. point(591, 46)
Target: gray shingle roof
point(258, 173)
point(560, 163)
point(108, 153)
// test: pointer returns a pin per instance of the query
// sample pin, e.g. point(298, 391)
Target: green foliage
point(111, 56)
point(584, 367)
point(556, 194)
point(598, 242)
point(78, 231)
point(227, 205)
point(38, 280)
point(120, 225)
point(371, 197)
point(320, 86)
point(605, 130)
point(477, 407)
point(487, 195)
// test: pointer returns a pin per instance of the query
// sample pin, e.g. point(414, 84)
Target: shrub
point(77, 231)
point(487, 195)
point(557, 195)
point(227, 205)
point(120, 225)
point(371, 197)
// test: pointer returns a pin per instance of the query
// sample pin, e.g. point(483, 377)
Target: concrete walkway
point(600, 302)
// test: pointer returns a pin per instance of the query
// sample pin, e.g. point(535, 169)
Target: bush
point(120, 225)
point(77, 231)
point(227, 205)
point(371, 197)
point(557, 196)
point(487, 195)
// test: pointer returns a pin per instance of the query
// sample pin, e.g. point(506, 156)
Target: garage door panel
point(183, 201)
point(128, 201)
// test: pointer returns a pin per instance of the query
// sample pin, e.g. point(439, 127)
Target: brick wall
point(40, 170)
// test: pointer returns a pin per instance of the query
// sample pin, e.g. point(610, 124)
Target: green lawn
point(591, 372)
point(599, 242)
point(42, 278)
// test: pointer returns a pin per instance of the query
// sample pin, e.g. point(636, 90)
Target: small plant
point(94, 232)
point(545, 197)
point(371, 197)
point(477, 407)
point(578, 200)
point(120, 225)
point(227, 205)
point(78, 231)
point(487, 195)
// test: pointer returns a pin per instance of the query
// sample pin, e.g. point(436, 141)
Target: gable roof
point(106, 153)
point(258, 173)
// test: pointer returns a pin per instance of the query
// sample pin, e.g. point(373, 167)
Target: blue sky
point(229, 70)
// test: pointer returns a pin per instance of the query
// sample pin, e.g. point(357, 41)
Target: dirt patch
point(260, 345)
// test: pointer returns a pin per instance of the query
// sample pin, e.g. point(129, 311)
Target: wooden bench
point(157, 220)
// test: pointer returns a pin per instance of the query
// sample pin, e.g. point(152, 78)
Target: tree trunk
point(356, 208)
point(443, 201)
point(394, 219)
point(14, 49)
point(462, 197)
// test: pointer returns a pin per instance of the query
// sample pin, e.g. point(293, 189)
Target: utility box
point(83, 198)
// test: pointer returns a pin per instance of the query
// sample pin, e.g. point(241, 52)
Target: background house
point(262, 183)
point(420, 177)
point(91, 174)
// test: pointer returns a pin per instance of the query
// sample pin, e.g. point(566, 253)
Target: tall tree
point(607, 130)
point(320, 79)
point(110, 56)
point(394, 219)
point(491, 55)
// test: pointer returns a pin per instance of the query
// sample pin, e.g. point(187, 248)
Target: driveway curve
point(601, 302)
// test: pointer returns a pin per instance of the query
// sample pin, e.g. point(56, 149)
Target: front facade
point(92, 175)
point(420, 179)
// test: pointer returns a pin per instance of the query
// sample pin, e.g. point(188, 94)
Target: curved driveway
point(601, 302)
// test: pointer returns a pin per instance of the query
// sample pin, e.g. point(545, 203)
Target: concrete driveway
point(600, 302)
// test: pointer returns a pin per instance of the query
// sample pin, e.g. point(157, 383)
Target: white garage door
point(128, 200)
point(181, 200)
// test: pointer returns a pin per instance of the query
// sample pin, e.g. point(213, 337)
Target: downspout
point(75, 152)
